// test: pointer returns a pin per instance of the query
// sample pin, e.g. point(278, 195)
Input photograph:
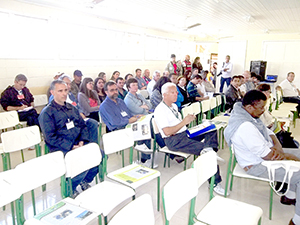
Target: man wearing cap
point(172, 66)
point(76, 83)
point(19, 98)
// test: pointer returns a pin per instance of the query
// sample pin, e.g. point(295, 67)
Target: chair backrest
point(9, 119)
point(145, 93)
point(8, 191)
point(81, 159)
point(213, 102)
point(219, 100)
point(187, 110)
point(41, 170)
point(178, 191)
point(155, 128)
point(205, 166)
point(118, 140)
point(205, 105)
point(40, 100)
point(196, 108)
point(19, 139)
point(137, 212)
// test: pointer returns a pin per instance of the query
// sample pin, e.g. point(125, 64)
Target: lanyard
point(174, 111)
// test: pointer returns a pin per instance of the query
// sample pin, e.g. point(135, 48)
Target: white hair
point(166, 87)
point(62, 77)
point(155, 72)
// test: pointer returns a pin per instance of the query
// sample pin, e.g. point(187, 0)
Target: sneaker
point(219, 159)
point(75, 194)
point(142, 148)
point(84, 185)
point(148, 164)
point(220, 190)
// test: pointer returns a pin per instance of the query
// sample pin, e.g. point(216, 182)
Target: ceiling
point(218, 18)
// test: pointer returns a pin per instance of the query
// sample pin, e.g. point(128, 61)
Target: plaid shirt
point(192, 90)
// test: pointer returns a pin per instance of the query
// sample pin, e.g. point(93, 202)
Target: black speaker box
point(259, 67)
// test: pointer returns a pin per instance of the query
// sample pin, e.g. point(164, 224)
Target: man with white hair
point(173, 129)
point(155, 78)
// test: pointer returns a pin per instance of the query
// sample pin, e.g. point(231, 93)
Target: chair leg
point(259, 222)
point(228, 177)
point(22, 154)
point(158, 193)
point(192, 214)
point(165, 160)
point(271, 203)
point(33, 202)
point(12, 212)
point(184, 168)
point(100, 220)
point(105, 220)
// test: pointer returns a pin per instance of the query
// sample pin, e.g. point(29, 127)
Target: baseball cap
point(173, 56)
point(78, 73)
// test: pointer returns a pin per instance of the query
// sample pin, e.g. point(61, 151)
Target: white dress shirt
point(289, 89)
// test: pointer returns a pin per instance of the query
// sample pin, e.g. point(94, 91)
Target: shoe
point(84, 185)
point(287, 201)
point(219, 159)
point(291, 222)
point(143, 148)
point(75, 194)
point(148, 164)
point(179, 159)
point(220, 190)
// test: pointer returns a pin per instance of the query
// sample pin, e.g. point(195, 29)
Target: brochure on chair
point(141, 129)
point(135, 174)
point(64, 213)
point(202, 128)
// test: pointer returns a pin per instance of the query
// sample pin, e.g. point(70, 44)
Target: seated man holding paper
point(19, 98)
point(254, 144)
point(173, 129)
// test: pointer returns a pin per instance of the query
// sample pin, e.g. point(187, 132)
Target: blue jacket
point(134, 104)
point(58, 137)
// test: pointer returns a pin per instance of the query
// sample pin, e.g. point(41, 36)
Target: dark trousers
point(31, 117)
point(181, 142)
point(223, 80)
point(295, 99)
point(86, 176)
point(94, 115)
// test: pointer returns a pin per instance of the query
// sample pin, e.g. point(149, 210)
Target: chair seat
point(281, 113)
point(229, 212)
point(182, 154)
point(104, 197)
point(126, 172)
point(240, 172)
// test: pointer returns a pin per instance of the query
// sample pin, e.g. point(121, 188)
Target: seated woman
point(88, 99)
point(115, 75)
point(182, 97)
point(99, 88)
point(156, 96)
point(135, 102)
point(103, 76)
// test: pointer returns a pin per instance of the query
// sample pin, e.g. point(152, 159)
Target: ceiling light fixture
point(250, 19)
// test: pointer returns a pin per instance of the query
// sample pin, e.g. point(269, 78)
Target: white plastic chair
point(229, 212)
point(137, 212)
point(234, 170)
point(40, 101)
point(8, 192)
point(124, 139)
point(17, 140)
point(145, 93)
point(103, 197)
point(179, 191)
point(205, 107)
point(34, 173)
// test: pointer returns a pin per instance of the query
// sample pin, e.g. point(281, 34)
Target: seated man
point(253, 143)
point(233, 93)
point(192, 88)
point(89, 122)
point(19, 98)
point(173, 129)
point(75, 84)
point(116, 115)
point(155, 78)
point(65, 130)
point(120, 85)
point(248, 85)
point(290, 91)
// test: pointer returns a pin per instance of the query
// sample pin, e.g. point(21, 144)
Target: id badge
point(20, 97)
point(70, 125)
point(124, 114)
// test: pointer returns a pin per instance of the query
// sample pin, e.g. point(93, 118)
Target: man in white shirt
point(226, 73)
point(253, 143)
point(248, 85)
point(173, 129)
point(155, 78)
point(290, 91)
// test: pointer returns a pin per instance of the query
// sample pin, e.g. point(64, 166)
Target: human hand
point(144, 107)
point(276, 155)
point(23, 107)
point(189, 118)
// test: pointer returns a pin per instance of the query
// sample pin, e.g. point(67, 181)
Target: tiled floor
point(253, 192)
